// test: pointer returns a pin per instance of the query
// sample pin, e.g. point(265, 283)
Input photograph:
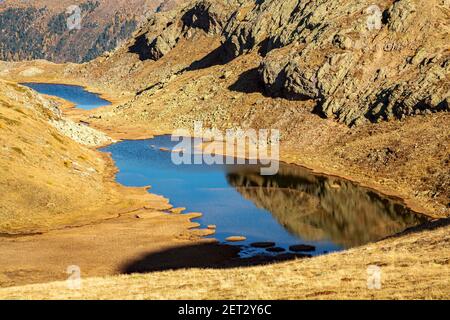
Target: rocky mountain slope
point(321, 51)
point(243, 64)
point(356, 91)
point(288, 65)
point(47, 29)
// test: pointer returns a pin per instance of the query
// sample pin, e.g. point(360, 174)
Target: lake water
point(293, 207)
point(76, 94)
point(290, 208)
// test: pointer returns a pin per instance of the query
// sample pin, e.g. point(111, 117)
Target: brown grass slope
point(413, 266)
point(47, 180)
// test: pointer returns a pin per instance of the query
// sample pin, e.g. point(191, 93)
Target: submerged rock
point(262, 244)
point(276, 249)
point(302, 248)
point(235, 239)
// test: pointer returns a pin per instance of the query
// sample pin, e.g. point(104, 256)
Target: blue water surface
point(290, 208)
point(76, 94)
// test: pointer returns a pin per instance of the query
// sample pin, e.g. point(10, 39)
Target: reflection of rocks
point(314, 208)
point(276, 249)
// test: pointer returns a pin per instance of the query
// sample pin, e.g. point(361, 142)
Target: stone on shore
point(236, 239)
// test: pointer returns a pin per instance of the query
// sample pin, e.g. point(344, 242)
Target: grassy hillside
point(48, 180)
point(368, 105)
point(413, 266)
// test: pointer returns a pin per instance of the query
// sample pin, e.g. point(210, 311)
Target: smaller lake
point(76, 94)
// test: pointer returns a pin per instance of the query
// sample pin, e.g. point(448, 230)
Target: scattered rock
point(80, 133)
point(276, 249)
point(235, 239)
point(262, 244)
point(226, 75)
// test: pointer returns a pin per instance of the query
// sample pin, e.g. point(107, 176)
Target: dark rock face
point(326, 51)
point(163, 31)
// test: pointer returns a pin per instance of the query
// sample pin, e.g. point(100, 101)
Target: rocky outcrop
point(359, 61)
point(355, 67)
point(80, 133)
point(163, 32)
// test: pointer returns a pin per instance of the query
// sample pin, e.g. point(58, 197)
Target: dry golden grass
point(413, 266)
point(47, 180)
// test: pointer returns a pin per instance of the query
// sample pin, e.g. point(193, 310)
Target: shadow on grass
point(218, 256)
point(204, 256)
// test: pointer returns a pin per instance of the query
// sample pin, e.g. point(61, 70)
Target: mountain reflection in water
point(318, 208)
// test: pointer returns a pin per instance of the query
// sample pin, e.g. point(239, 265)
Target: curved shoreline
point(411, 204)
point(387, 192)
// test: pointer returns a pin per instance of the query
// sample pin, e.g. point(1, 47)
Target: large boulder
point(359, 61)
